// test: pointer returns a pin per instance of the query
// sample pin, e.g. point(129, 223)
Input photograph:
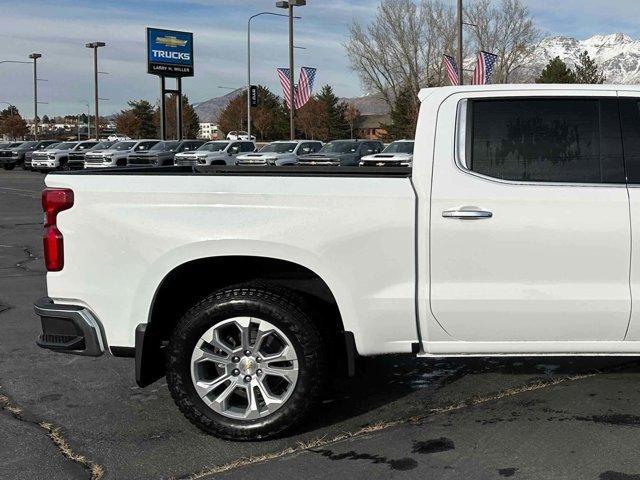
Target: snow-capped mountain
point(618, 55)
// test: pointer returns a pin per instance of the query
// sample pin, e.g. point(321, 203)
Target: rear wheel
point(9, 166)
point(245, 363)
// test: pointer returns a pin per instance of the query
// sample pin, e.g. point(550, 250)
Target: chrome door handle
point(467, 214)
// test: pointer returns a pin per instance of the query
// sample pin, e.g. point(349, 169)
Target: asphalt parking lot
point(67, 417)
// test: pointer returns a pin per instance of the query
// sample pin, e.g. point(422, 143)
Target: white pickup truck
point(511, 235)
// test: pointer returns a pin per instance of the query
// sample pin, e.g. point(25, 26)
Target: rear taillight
point(54, 201)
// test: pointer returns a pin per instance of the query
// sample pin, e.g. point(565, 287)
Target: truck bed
point(131, 227)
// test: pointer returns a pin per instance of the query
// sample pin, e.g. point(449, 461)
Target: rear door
point(530, 230)
point(630, 118)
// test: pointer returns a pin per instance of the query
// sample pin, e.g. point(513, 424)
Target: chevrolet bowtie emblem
point(171, 41)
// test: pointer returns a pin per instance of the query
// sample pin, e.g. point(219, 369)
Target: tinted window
point(545, 140)
point(86, 145)
point(247, 147)
point(630, 116)
point(399, 147)
point(373, 147)
point(340, 146)
point(187, 146)
point(145, 146)
point(214, 146)
point(309, 147)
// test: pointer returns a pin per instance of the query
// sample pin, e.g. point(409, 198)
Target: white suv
point(117, 155)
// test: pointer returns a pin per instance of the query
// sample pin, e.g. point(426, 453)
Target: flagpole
point(460, 22)
point(292, 107)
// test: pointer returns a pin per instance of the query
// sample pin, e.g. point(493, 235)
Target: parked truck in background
point(511, 235)
point(396, 154)
point(341, 153)
point(280, 153)
point(77, 156)
point(117, 154)
point(54, 157)
point(45, 145)
point(18, 154)
point(220, 152)
point(163, 153)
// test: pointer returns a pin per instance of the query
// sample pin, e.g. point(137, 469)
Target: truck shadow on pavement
point(386, 389)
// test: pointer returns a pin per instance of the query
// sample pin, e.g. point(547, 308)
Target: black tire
point(282, 310)
point(9, 166)
point(64, 165)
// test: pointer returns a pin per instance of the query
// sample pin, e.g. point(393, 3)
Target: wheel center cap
point(248, 366)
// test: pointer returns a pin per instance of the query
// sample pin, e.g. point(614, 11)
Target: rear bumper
point(69, 329)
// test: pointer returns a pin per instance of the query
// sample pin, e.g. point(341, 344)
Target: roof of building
point(374, 121)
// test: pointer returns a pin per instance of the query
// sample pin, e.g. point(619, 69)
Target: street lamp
point(35, 57)
point(95, 46)
point(289, 4)
point(249, 63)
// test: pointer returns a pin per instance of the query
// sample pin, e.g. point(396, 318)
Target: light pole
point(95, 46)
point(289, 4)
point(35, 57)
point(249, 63)
point(89, 121)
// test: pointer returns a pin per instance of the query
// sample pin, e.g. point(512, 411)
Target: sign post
point(170, 54)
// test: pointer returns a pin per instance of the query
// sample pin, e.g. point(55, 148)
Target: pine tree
point(234, 115)
point(403, 116)
point(145, 113)
point(337, 124)
point(269, 119)
point(587, 70)
point(556, 71)
point(190, 120)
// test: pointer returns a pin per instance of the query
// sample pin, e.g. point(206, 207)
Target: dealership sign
point(169, 53)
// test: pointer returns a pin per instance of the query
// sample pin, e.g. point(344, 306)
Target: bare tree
point(507, 30)
point(402, 47)
point(352, 114)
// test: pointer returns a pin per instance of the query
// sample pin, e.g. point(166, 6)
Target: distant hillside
point(209, 110)
point(369, 105)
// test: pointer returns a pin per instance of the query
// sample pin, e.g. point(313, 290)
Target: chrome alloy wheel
point(244, 368)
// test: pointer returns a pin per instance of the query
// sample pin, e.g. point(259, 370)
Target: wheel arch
point(190, 281)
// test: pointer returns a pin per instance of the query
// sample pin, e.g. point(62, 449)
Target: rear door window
point(630, 117)
point(566, 140)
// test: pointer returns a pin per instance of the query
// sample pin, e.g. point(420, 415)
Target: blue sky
point(60, 29)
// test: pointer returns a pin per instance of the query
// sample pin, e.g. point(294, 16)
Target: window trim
point(460, 141)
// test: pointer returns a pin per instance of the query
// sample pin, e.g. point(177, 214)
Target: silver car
point(221, 152)
point(280, 153)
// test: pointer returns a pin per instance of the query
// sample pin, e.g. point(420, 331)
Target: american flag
point(283, 74)
point(484, 68)
point(452, 69)
point(305, 86)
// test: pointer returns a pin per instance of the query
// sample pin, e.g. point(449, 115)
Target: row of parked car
point(51, 155)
